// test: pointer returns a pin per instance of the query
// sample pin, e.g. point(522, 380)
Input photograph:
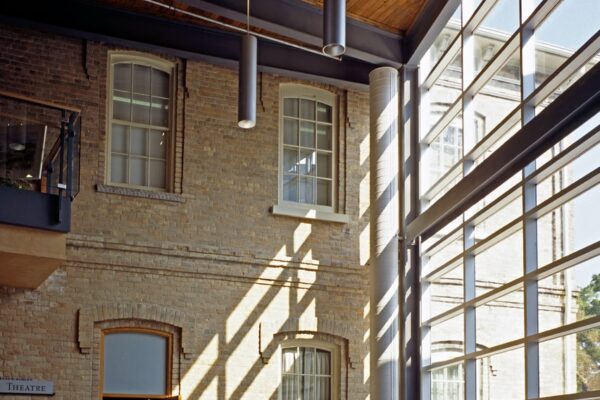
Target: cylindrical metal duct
point(384, 221)
point(247, 83)
point(334, 27)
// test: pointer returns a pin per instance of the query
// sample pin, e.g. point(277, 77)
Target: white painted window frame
point(335, 358)
point(147, 60)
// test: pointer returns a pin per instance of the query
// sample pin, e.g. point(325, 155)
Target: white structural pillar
point(384, 224)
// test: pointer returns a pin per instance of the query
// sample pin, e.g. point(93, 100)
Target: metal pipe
point(384, 221)
point(239, 29)
point(247, 83)
point(334, 27)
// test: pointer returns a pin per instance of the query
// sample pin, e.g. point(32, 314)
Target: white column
point(384, 223)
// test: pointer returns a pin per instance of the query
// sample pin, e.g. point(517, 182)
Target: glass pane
point(324, 113)
point(442, 154)
point(323, 361)
point(306, 190)
point(570, 364)
point(288, 359)
point(493, 317)
point(158, 144)
point(441, 43)
point(581, 166)
point(160, 83)
point(323, 390)
point(307, 134)
point(157, 173)
point(564, 31)
point(141, 79)
point(290, 107)
point(307, 162)
point(121, 105)
point(290, 187)
point(308, 362)
point(500, 218)
point(500, 263)
point(141, 109)
point(137, 141)
point(290, 160)
point(160, 112)
point(442, 94)
point(497, 98)
point(448, 383)
point(446, 292)
point(570, 227)
point(323, 192)
point(289, 390)
point(447, 339)
point(308, 387)
point(307, 109)
point(581, 287)
point(290, 131)
point(324, 165)
point(118, 169)
point(324, 137)
point(122, 78)
point(118, 139)
point(135, 363)
point(501, 376)
point(439, 255)
point(137, 171)
point(495, 30)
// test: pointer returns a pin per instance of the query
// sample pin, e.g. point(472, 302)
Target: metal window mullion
point(530, 243)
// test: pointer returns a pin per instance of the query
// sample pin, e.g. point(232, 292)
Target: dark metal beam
point(92, 21)
point(566, 113)
point(304, 22)
point(428, 25)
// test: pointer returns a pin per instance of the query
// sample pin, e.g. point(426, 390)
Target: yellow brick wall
point(215, 267)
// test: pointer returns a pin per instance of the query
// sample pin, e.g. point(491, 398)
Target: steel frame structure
point(537, 134)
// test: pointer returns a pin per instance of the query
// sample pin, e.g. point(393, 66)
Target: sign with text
point(26, 386)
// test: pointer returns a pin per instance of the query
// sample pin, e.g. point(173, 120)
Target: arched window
point(140, 121)
point(309, 370)
point(307, 147)
point(136, 363)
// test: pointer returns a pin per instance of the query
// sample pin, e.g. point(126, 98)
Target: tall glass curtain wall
point(495, 66)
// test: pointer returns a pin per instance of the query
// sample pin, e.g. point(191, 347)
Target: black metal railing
point(38, 182)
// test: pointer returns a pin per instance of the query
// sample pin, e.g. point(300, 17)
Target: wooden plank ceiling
point(391, 15)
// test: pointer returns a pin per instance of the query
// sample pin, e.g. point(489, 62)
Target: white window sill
point(312, 214)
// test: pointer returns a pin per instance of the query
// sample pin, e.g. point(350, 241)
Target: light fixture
point(334, 27)
point(247, 78)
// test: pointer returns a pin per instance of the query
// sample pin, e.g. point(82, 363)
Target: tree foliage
point(588, 342)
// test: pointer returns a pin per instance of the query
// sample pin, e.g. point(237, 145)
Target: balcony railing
point(39, 162)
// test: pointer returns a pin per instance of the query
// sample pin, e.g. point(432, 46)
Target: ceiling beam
point(434, 15)
point(93, 21)
point(304, 22)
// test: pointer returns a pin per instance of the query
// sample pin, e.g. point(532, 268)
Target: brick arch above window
point(89, 316)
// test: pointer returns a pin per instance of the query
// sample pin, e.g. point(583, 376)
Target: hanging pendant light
point(247, 78)
point(334, 27)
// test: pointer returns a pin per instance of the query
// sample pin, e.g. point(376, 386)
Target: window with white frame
point(307, 147)
point(136, 363)
point(307, 373)
point(140, 122)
